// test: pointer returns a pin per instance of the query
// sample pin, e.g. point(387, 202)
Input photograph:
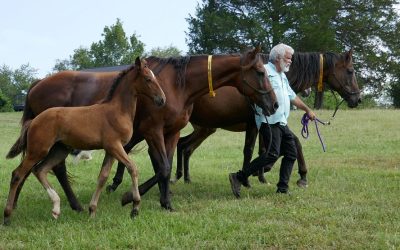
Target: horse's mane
point(304, 71)
point(180, 64)
point(116, 83)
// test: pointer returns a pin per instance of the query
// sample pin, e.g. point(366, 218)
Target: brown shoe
point(235, 185)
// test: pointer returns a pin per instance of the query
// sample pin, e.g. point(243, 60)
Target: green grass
point(352, 201)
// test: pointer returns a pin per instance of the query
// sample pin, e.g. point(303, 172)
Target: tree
point(169, 51)
point(14, 83)
point(370, 27)
point(115, 49)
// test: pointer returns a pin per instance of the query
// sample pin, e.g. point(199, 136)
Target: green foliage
point(351, 202)
point(15, 82)
point(5, 103)
point(114, 49)
point(169, 51)
point(370, 27)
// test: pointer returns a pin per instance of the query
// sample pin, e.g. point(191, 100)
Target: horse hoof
point(302, 183)
point(188, 181)
point(168, 207)
point(77, 208)
point(262, 179)
point(55, 215)
point(134, 213)
point(110, 189)
point(127, 197)
point(173, 181)
point(6, 221)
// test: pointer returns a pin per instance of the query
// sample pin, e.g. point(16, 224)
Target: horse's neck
point(304, 75)
point(125, 97)
point(225, 71)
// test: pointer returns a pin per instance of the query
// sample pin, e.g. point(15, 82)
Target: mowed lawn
point(352, 201)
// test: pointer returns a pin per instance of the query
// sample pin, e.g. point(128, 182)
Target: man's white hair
point(278, 51)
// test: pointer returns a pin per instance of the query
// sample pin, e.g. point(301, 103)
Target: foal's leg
point(119, 153)
point(61, 173)
point(17, 177)
point(101, 181)
point(57, 154)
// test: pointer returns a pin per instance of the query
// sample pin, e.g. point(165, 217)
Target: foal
point(107, 125)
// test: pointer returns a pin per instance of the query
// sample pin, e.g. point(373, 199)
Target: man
point(282, 140)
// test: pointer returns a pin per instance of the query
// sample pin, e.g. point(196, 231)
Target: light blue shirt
point(284, 95)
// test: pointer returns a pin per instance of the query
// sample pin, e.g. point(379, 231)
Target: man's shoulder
point(271, 70)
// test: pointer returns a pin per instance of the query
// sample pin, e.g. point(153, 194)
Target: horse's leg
point(101, 180)
point(119, 175)
point(162, 170)
point(19, 188)
point(60, 171)
point(17, 176)
point(120, 154)
point(302, 182)
point(249, 142)
point(57, 154)
point(185, 148)
point(262, 150)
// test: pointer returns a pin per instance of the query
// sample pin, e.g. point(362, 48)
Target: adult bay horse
point(232, 112)
point(183, 79)
point(49, 137)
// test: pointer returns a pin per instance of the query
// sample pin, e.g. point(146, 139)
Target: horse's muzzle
point(159, 101)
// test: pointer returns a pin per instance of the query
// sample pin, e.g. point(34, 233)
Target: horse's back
point(70, 88)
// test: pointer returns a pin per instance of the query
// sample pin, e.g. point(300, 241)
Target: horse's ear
point(258, 48)
point(138, 63)
point(349, 55)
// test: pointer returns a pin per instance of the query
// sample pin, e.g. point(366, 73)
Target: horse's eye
point(260, 73)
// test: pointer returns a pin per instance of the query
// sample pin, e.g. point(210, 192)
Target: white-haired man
point(282, 141)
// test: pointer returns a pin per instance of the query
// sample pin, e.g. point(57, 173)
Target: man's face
point(285, 62)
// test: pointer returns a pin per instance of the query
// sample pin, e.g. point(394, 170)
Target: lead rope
point(304, 131)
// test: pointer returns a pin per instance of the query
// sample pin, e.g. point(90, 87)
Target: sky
point(41, 31)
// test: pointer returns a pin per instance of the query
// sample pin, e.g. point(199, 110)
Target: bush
point(5, 103)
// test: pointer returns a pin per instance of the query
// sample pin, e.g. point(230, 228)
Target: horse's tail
point(20, 145)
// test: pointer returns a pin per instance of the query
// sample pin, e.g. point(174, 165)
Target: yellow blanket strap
point(321, 73)
point(210, 85)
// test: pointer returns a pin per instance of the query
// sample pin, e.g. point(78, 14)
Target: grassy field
point(352, 201)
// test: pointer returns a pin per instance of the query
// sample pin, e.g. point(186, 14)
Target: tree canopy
point(115, 49)
point(370, 27)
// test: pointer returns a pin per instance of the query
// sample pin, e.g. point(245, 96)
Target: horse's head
point(342, 78)
point(150, 86)
point(255, 82)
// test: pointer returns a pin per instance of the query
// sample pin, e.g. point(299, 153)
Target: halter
point(320, 86)
point(245, 82)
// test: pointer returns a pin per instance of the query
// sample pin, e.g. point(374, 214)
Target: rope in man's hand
point(304, 131)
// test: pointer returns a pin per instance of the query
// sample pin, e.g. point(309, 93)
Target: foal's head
point(149, 85)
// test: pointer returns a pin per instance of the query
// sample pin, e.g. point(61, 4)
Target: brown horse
point(232, 112)
point(183, 79)
point(108, 125)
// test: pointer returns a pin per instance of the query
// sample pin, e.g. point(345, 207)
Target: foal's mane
point(304, 71)
point(180, 64)
point(116, 83)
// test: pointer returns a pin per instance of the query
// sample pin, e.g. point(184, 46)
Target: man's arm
point(301, 105)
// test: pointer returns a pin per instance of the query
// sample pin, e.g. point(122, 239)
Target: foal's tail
point(20, 145)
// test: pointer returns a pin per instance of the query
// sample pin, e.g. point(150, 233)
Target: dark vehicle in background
point(19, 102)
